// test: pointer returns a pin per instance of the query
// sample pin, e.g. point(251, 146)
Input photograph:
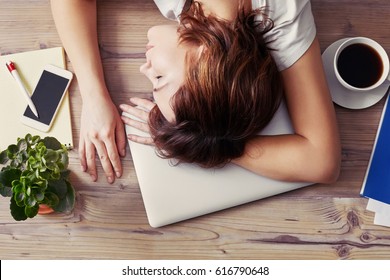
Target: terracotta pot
point(44, 209)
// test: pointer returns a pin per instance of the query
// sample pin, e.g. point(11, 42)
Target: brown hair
point(231, 90)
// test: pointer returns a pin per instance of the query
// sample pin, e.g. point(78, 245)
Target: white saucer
point(345, 97)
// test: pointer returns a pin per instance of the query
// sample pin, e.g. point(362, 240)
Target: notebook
point(176, 193)
point(376, 184)
point(12, 104)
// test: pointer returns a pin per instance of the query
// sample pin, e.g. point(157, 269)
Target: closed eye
point(158, 79)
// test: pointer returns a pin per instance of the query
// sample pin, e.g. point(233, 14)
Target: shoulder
point(294, 29)
point(170, 9)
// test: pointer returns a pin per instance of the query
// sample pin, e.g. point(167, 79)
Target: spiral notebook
point(12, 104)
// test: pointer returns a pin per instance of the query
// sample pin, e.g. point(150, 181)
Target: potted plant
point(35, 173)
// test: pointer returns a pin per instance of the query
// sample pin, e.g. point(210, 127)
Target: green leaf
point(52, 143)
point(17, 212)
point(15, 164)
point(39, 196)
point(66, 204)
point(18, 186)
point(35, 139)
point(32, 162)
point(22, 144)
point(51, 199)
point(30, 201)
point(51, 156)
point(64, 161)
point(41, 184)
point(5, 191)
point(28, 191)
point(31, 212)
point(13, 149)
point(65, 174)
point(59, 187)
point(41, 149)
point(9, 175)
point(19, 199)
point(53, 166)
point(28, 138)
point(3, 157)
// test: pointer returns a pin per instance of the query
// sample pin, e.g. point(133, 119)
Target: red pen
point(12, 69)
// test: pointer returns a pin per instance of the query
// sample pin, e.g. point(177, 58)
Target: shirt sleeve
point(170, 9)
point(293, 33)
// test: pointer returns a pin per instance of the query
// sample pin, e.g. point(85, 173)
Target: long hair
point(231, 90)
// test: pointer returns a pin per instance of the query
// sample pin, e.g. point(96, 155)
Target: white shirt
point(170, 9)
point(294, 28)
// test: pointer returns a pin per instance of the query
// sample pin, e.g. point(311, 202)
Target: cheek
point(164, 105)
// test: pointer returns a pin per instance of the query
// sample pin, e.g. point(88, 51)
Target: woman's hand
point(102, 134)
point(101, 129)
point(140, 122)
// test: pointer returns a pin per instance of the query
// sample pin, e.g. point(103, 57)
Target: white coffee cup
point(381, 76)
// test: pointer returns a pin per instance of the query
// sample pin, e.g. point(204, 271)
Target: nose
point(152, 31)
point(144, 67)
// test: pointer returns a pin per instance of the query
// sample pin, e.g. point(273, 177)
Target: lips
point(148, 47)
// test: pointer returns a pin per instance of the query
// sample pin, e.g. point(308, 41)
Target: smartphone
point(47, 96)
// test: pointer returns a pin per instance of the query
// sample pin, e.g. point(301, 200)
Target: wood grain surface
point(109, 221)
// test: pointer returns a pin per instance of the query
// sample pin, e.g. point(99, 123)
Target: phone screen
point(47, 96)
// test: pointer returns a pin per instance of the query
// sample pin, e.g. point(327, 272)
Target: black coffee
point(360, 65)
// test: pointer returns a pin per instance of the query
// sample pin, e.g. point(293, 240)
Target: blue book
point(376, 184)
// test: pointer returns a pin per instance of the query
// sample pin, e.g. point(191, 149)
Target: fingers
point(113, 163)
point(105, 161)
point(138, 112)
point(87, 158)
point(143, 103)
point(90, 160)
point(141, 112)
point(140, 139)
point(106, 149)
point(83, 161)
point(142, 126)
point(121, 139)
point(108, 156)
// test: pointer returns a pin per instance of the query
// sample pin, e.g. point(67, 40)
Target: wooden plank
point(339, 228)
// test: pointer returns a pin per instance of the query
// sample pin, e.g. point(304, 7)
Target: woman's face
point(165, 65)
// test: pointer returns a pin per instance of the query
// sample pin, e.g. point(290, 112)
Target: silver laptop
point(176, 193)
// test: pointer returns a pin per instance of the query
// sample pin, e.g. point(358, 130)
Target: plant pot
point(44, 209)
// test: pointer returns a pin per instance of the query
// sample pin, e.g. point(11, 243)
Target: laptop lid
point(176, 193)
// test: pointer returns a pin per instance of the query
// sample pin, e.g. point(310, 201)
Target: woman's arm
point(101, 129)
point(312, 154)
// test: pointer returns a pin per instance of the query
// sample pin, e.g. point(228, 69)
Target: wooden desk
point(109, 221)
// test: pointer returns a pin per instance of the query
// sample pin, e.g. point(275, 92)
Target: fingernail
point(118, 174)
point(123, 152)
point(110, 179)
point(93, 178)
